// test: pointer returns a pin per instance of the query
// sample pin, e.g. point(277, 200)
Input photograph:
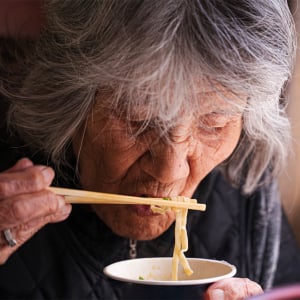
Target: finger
point(31, 179)
point(21, 164)
point(25, 231)
point(23, 208)
point(233, 288)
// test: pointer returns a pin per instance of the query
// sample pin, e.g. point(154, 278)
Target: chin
point(125, 221)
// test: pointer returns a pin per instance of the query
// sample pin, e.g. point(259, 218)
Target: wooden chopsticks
point(80, 196)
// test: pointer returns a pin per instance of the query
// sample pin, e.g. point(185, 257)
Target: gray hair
point(146, 51)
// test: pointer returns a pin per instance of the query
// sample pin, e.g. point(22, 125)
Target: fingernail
point(217, 294)
point(64, 208)
point(61, 202)
point(48, 174)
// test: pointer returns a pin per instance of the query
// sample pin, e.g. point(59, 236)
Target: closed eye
point(214, 131)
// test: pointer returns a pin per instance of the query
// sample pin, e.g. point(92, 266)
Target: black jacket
point(65, 260)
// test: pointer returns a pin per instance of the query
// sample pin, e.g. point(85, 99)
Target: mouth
point(142, 210)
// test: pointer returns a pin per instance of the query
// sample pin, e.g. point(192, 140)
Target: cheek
point(228, 146)
point(228, 141)
point(88, 152)
point(214, 150)
point(104, 156)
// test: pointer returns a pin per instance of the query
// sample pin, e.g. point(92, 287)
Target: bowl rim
point(108, 271)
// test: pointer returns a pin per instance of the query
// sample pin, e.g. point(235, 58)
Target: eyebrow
point(225, 112)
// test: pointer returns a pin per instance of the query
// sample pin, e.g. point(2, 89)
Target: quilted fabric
point(65, 260)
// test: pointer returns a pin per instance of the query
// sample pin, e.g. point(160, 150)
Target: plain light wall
point(290, 177)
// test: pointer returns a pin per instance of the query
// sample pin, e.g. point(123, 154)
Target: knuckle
point(29, 180)
point(42, 203)
point(51, 202)
point(25, 162)
point(35, 178)
point(5, 189)
point(251, 288)
point(31, 206)
point(19, 210)
point(246, 281)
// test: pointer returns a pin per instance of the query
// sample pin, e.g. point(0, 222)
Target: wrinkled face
point(113, 159)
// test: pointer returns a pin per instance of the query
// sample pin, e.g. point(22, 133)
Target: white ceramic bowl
point(157, 271)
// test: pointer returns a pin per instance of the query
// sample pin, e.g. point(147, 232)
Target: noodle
point(181, 244)
point(181, 238)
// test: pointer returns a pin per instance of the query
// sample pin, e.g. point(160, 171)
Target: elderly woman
point(152, 99)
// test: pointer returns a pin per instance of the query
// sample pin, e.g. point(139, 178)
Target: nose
point(166, 162)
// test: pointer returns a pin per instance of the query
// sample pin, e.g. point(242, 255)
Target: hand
point(232, 289)
point(26, 205)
